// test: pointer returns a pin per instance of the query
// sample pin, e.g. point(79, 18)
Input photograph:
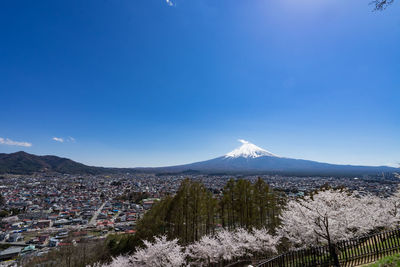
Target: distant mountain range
point(248, 158)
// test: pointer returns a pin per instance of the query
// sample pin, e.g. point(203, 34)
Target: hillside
point(24, 163)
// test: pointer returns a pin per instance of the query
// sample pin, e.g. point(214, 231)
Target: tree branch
point(381, 4)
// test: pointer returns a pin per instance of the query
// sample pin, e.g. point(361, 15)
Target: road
point(94, 218)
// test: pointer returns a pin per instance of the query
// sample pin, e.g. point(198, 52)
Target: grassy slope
point(390, 261)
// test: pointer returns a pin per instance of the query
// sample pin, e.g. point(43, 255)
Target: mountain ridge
point(249, 158)
point(246, 159)
point(24, 163)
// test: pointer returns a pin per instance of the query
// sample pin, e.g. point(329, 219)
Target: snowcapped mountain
point(249, 158)
point(248, 150)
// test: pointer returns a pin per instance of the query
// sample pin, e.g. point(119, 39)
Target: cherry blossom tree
point(120, 261)
point(205, 251)
point(256, 241)
point(228, 245)
point(388, 211)
point(229, 248)
point(326, 217)
point(330, 216)
point(224, 245)
point(265, 242)
point(158, 254)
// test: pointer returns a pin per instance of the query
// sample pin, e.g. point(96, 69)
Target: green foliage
point(122, 244)
point(188, 215)
point(194, 211)
point(135, 197)
point(250, 205)
point(390, 261)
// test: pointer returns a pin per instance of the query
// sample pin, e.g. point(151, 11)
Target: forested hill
point(24, 163)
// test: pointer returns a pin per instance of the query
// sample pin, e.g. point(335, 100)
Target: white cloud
point(6, 141)
point(64, 139)
point(169, 2)
point(58, 139)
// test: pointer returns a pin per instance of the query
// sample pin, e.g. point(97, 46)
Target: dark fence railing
point(351, 252)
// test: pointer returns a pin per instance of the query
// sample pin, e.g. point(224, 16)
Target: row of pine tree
point(194, 211)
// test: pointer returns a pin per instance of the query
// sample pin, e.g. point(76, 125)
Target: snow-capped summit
point(249, 158)
point(248, 150)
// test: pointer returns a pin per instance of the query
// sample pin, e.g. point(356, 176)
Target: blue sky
point(151, 83)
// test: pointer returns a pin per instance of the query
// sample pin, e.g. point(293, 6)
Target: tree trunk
point(334, 255)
